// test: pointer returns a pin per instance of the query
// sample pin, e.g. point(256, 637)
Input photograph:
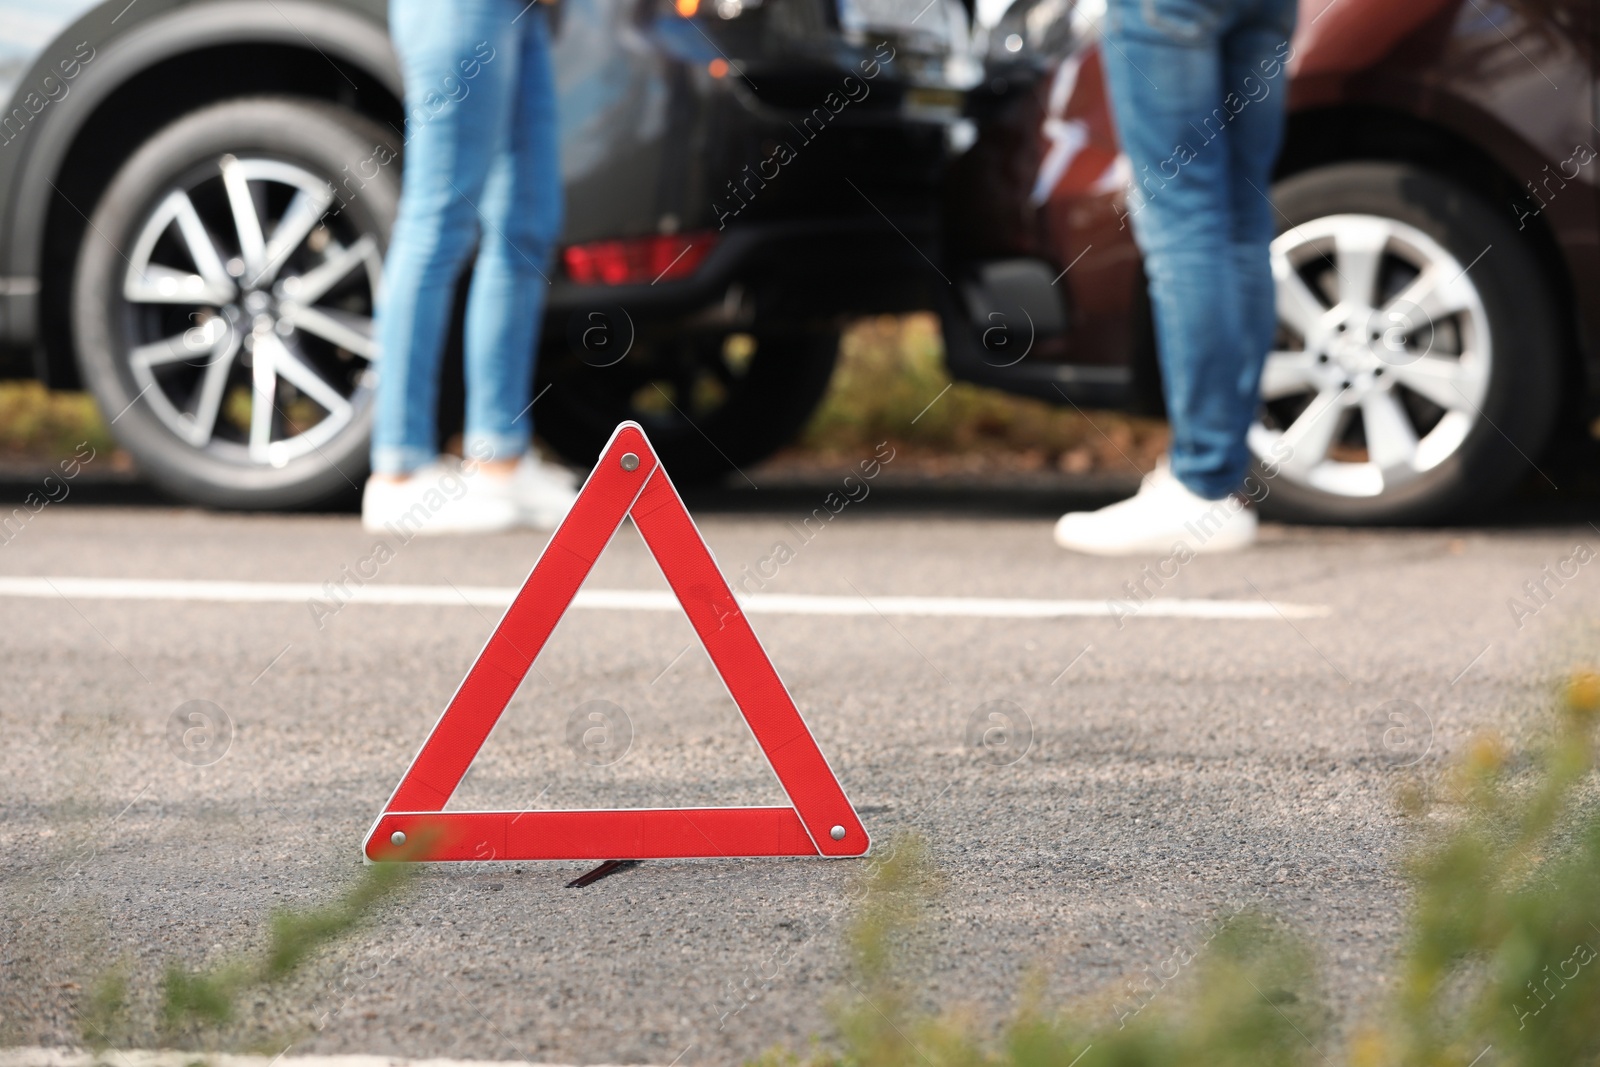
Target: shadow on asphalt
point(1534, 505)
point(1002, 497)
point(1537, 503)
point(967, 496)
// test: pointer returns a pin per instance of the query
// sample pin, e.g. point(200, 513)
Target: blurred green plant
point(888, 385)
point(39, 424)
point(1507, 914)
point(195, 1002)
point(1499, 952)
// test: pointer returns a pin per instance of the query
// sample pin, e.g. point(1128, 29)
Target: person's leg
point(1175, 108)
point(1174, 112)
point(1255, 57)
point(451, 119)
point(521, 209)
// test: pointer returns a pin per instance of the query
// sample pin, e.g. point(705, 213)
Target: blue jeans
point(481, 168)
point(1198, 89)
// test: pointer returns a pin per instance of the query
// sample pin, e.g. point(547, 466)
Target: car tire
point(185, 332)
point(757, 406)
point(1471, 366)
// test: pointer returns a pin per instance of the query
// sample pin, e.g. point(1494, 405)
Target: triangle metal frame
point(821, 821)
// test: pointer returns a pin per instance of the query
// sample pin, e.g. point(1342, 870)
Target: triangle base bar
point(630, 833)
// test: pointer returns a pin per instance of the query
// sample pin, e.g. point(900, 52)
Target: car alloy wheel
point(223, 296)
point(1383, 358)
point(250, 316)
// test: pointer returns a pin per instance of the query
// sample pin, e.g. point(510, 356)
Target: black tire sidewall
point(318, 137)
point(1519, 408)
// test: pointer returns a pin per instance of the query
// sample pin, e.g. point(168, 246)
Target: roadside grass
point(1496, 967)
point(194, 1007)
point(888, 385)
point(37, 424)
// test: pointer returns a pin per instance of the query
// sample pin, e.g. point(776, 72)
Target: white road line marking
point(646, 600)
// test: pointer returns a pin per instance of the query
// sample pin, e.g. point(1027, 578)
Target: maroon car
point(1438, 257)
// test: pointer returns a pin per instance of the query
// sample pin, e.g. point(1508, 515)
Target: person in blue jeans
point(1197, 90)
point(481, 170)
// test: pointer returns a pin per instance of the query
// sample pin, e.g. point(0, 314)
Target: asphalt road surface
point(1153, 769)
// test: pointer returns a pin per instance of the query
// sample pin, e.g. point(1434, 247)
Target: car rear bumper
point(809, 269)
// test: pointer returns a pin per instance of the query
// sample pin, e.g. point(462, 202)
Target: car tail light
point(637, 260)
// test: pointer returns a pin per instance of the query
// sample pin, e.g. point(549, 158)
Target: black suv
point(739, 177)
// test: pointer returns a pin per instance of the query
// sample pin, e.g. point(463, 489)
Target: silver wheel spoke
point(306, 289)
point(209, 403)
point(154, 283)
point(1358, 252)
point(1432, 294)
point(1442, 379)
point(352, 332)
point(1286, 374)
point(1391, 439)
point(263, 402)
point(1297, 304)
point(252, 245)
point(178, 349)
point(201, 249)
point(299, 219)
point(298, 374)
point(1310, 437)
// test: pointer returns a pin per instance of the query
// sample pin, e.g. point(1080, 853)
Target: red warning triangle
point(628, 480)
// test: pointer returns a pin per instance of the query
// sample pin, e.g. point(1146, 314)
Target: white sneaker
point(1163, 515)
point(441, 498)
point(543, 492)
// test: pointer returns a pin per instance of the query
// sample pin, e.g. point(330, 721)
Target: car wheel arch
point(45, 208)
point(1325, 136)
